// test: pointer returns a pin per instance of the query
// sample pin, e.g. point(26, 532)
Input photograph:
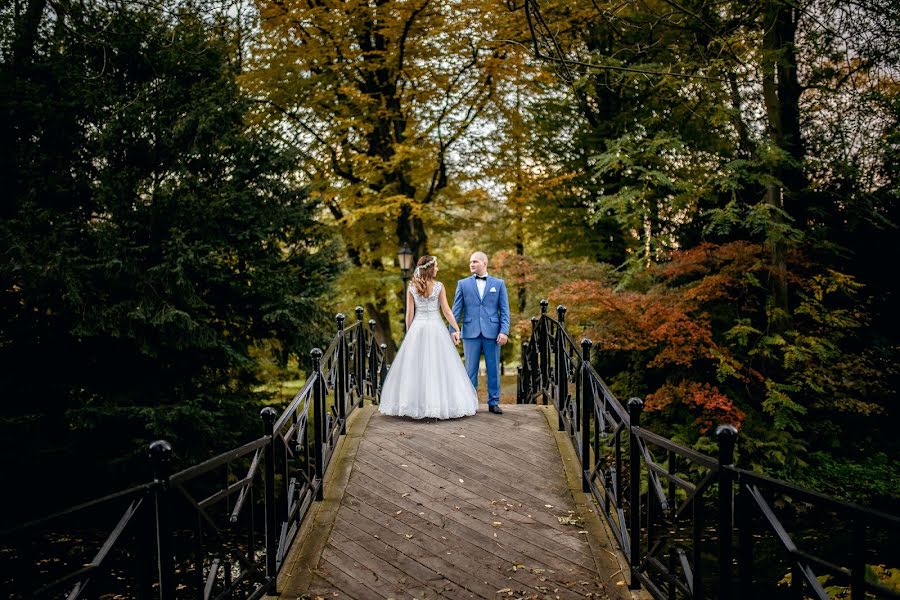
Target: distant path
point(467, 508)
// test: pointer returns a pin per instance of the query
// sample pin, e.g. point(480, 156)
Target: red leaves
point(704, 400)
point(671, 324)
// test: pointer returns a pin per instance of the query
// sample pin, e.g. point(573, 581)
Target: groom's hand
point(502, 339)
point(455, 337)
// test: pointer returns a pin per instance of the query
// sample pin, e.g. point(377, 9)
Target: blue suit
point(482, 319)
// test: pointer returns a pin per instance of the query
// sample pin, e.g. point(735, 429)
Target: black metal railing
point(218, 529)
point(692, 525)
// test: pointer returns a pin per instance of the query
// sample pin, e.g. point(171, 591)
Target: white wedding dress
point(427, 378)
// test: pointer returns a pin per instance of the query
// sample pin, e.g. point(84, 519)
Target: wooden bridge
point(566, 495)
point(477, 507)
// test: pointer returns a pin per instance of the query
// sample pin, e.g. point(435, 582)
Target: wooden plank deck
point(465, 508)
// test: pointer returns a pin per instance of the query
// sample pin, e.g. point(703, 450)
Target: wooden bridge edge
point(301, 562)
point(607, 556)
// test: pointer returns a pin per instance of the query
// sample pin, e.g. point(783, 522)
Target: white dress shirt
point(481, 284)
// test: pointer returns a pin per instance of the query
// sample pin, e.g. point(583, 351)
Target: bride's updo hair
point(425, 272)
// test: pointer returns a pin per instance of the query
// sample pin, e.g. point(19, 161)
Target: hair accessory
point(424, 266)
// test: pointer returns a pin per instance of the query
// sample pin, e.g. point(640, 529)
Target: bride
point(427, 378)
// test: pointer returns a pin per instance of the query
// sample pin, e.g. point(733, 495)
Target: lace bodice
point(430, 306)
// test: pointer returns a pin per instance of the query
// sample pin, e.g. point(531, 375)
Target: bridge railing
point(218, 529)
point(691, 525)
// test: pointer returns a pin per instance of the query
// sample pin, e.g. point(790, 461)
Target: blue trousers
point(473, 349)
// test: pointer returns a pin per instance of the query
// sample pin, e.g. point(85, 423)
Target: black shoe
point(494, 408)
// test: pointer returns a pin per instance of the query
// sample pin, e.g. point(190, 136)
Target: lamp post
point(405, 258)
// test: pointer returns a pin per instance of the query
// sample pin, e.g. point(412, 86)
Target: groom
point(485, 326)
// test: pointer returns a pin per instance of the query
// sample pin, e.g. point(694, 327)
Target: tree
point(376, 95)
point(762, 128)
point(150, 238)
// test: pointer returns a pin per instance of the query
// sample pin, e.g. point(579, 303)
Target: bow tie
point(481, 277)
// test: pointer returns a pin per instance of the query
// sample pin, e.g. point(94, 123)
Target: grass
point(280, 392)
point(507, 388)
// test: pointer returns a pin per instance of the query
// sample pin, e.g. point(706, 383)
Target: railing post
point(360, 352)
point(544, 349)
point(635, 405)
point(744, 518)
point(562, 373)
point(519, 384)
point(587, 409)
point(318, 421)
point(858, 561)
point(373, 359)
point(340, 393)
point(726, 435)
point(161, 460)
point(268, 416)
point(382, 372)
point(524, 375)
point(535, 358)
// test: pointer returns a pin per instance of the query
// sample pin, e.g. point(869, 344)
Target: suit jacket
point(487, 316)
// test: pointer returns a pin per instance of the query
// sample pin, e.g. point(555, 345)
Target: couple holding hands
point(427, 379)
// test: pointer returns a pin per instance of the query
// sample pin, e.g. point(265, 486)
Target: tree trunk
point(411, 231)
point(781, 94)
point(381, 316)
point(26, 33)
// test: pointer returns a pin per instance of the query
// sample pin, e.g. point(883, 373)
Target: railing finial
point(561, 313)
point(359, 313)
point(340, 318)
point(268, 415)
point(726, 435)
point(635, 406)
point(160, 452)
point(544, 304)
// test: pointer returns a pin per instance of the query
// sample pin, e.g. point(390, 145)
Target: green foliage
point(150, 238)
point(864, 479)
point(698, 345)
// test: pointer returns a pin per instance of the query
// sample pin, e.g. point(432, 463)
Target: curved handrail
point(661, 527)
point(286, 465)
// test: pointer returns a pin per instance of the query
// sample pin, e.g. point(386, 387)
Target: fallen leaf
point(404, 495)
point(496, 523)
point(461, 481)
point(548, 506)
point(570, 520)
point(408, 536)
